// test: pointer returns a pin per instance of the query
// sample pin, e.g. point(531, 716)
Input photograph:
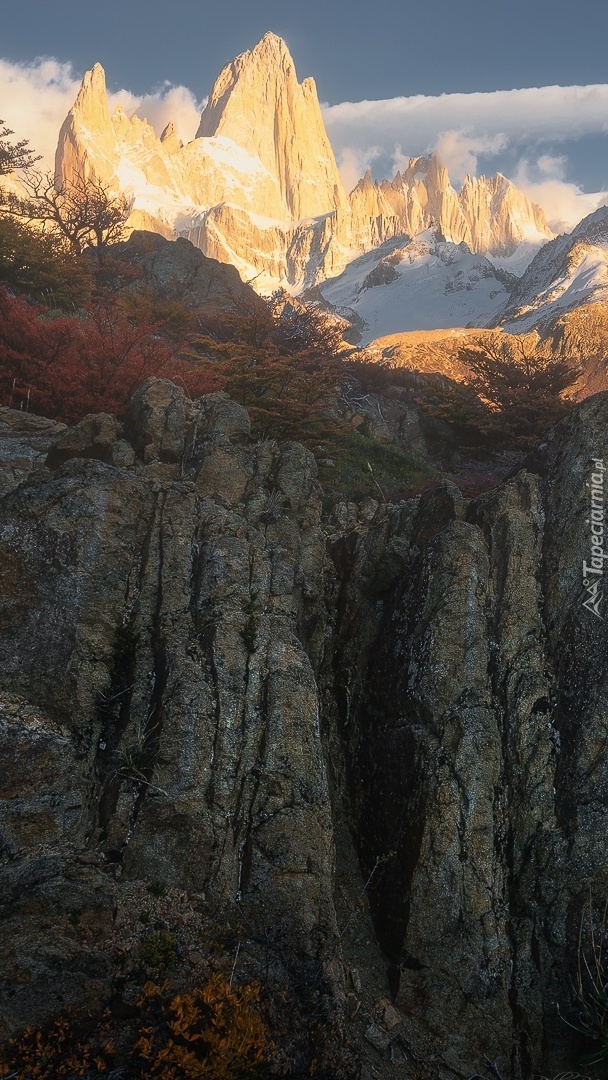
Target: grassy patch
point(363, 467)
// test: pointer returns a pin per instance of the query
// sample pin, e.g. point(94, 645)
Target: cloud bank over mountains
point(462, 128)
point(538, 113)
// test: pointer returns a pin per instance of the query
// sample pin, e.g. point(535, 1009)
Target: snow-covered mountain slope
point(568, 272)
point(418, 284)
point(259, 186)
point(519, 260)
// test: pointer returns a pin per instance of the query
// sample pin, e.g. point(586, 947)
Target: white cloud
point(175, 103)
point(460, 127)
point(36, 98)
point(553, 165)
point(547, 113)
point(564, 203)
point(459, 151)
point(353, 164)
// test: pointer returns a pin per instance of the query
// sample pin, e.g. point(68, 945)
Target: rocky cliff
point(375, 744)
point(569, 272)
point(179, 270)
point(259, 187)
point(258, 103)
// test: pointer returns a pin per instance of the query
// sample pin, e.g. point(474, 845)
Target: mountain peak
point(95, 79)
point(272, 41)
point(271, 51)
point(89, 113)
point(97, 72)
point(259, 186)
point(91, 105)
point(169, 138)
point(258, 103)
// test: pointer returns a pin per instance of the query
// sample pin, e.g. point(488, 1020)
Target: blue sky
point(356, 52)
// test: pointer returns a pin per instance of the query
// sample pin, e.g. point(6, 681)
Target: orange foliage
point(214, 1031)
point(55, 1051)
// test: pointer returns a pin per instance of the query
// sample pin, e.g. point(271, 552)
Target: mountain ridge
point(570, 270)
point(259, 186)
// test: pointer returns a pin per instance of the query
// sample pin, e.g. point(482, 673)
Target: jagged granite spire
point(258, 103)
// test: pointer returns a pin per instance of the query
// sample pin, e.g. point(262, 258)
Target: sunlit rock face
point(258, 103)
point(259, 186)
point(490, 214)
point(87, 139)
point(259, 173)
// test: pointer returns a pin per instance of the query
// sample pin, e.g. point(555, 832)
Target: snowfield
point(423, 284)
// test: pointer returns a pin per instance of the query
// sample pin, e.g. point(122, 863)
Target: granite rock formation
point(258, 103)
point(402, 723)
point(178, 269)
point(490, 214)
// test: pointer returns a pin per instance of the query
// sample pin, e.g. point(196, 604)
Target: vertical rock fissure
point(129, 745)
point(152, 727)
point(505, 795)
point(114, 714)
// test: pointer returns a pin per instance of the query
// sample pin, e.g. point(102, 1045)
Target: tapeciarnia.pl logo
point(593, 571)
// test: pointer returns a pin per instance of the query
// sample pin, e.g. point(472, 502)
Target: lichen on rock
point(382, 752)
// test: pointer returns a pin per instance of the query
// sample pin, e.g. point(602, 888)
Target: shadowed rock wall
point(197, 689)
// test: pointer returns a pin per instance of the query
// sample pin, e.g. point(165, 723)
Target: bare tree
point(14, 156)
point(508, 372)
point(82, 210)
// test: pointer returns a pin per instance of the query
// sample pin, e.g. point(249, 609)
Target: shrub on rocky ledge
point(215, 1031)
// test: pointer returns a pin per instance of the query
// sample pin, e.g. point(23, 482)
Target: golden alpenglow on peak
point(258, 103)
point(170, 139)
point(259, 186)
point(89, 114)
point(91, 105)
point(272, 40)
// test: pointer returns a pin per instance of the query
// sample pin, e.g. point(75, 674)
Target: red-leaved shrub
point(68, 366)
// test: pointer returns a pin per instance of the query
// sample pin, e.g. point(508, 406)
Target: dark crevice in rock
point(392, 749)
point(114, 714)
